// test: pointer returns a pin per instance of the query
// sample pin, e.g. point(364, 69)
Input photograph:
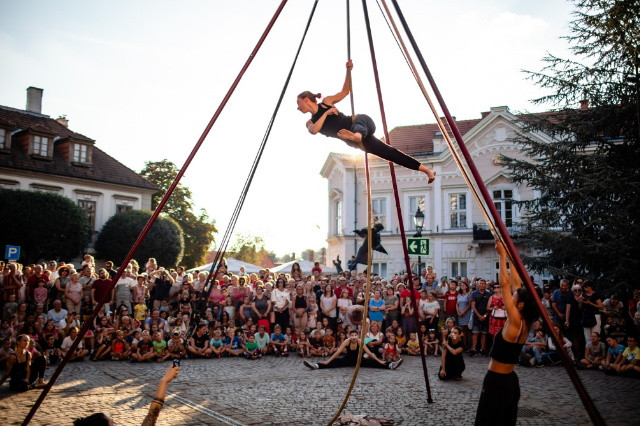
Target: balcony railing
point(481, 231)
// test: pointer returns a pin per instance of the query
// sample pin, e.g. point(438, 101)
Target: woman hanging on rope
point(356, 131)
point(498, 403)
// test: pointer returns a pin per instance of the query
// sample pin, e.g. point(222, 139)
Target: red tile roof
point(419, 138)
point(104, 168)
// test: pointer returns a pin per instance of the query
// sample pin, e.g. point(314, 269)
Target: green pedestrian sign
point(418, 246)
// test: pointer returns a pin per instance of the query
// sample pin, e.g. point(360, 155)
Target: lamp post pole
point(418, 221)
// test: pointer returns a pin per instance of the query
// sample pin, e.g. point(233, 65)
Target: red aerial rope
point(157, 211)
point(397, 199)
point(595, 416)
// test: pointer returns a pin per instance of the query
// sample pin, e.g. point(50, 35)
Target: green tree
point(248, 248)
point(585, 223)
point(198, 229)
point(44, 225)
point(164, 241)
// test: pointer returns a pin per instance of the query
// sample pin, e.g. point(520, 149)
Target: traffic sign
point(12, 252)
point(418, 246)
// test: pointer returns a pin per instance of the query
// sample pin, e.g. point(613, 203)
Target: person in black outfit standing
point(356, 131)
point(498, 404)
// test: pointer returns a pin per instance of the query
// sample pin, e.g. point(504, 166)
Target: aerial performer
point(498, 403)
point(357, 131)
point(363, 253)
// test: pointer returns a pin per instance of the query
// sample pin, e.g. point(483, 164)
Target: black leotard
point(505, 352)
point(332, 123)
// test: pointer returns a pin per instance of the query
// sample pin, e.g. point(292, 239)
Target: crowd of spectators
point(150, 310)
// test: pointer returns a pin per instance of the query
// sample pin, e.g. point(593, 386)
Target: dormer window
point(4, 139)
point(80, 153)
point(41, 145)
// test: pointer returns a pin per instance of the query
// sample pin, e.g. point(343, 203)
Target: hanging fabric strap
point(154, 216)
point(217, 262)
point(397, 200)
point(367, 290)
point(500, 231)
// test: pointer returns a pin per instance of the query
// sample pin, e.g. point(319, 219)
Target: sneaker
point(285, 353)
point(483, 352)
point(532, 361)
point(311, 365)
point(395, 364)
point(539, 364)
point(276, 352)
point(473, 353)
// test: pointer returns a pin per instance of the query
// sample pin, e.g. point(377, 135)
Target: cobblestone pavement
point(281, 391)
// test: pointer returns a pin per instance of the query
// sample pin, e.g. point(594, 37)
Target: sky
point(144, 78)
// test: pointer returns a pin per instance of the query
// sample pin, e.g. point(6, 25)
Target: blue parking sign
point(12, 252)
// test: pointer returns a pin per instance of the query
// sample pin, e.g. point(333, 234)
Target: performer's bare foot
point(430, 173)
point(348, 135)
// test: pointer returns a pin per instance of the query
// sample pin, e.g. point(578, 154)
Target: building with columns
point(459, 240)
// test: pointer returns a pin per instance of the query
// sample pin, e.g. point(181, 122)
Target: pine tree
point(585, 223)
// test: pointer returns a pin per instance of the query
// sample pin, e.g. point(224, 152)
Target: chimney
point(63, 120)
point(584, 104)
point(34, 99)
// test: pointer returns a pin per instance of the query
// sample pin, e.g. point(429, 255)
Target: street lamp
point(418, 221)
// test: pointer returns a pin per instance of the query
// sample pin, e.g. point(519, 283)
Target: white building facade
point(39, 153)
point(459, 242)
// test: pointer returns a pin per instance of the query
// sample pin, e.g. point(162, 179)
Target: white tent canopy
point(233, 265)
point(305, 266)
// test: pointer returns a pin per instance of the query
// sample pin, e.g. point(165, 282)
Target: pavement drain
point(528, 412)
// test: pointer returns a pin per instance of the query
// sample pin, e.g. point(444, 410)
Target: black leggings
point(364, 125)
point(498, 403)
point(347, 362)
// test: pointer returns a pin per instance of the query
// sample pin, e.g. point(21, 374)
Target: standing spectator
point(162, 283)
point(122, 290)
point(559, 301)
point(32, 281)
point(108, 266)
point(463, 309)
point(328, 303)
point(280, 299)
point(87, 277)
point(74, 292)
point(261, 307)
point(591, 305)
point(342, 286)
point(11, 283)
point(479, 301)
point(391, 306)
point(60, 283)
point(100, 290)
point(451, 300)
point(300, 308)
point(376, 307)
point(496, 308)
